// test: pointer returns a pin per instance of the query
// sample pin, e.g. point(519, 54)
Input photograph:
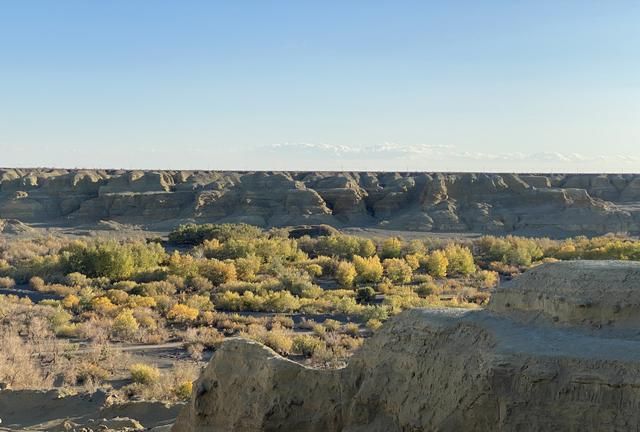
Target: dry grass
point(166, 386)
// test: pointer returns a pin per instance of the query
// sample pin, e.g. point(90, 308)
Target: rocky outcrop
point(590, 295)
point(445, 202)
point(13, 226)
point(557, 349)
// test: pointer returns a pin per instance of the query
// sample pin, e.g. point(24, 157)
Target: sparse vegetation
point(236, 280)
point(144, 374)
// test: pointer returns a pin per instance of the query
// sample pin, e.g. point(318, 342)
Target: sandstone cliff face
point(500, 369)
point(445, 202)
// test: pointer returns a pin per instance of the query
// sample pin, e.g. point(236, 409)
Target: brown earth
point(439, 202)
point(557, 349)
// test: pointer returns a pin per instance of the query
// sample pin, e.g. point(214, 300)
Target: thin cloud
point(376, 151)
point(390, 150)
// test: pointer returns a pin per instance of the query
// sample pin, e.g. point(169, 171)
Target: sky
point(512, 85)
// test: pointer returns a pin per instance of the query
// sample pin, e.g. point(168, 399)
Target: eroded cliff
point(520, 365)
point(528, 204)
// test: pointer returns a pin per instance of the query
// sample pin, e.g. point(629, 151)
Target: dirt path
point(26, 291)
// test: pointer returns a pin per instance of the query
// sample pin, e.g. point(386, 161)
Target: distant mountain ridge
point(535, 204)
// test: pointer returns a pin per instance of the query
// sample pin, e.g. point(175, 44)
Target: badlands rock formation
point(528, 204)
point(557, 349)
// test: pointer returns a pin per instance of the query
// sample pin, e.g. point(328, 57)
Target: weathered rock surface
point(499, 369)
point(502, 203)
point(590, 295)
point(14, 226)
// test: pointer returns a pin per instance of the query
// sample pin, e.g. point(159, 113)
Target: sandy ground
point(47, 410)
point(117, 230)
point(374, 233)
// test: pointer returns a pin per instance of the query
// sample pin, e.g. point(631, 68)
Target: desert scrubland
point(117, 288)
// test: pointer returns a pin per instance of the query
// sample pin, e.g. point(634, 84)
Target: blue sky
point(378, 85)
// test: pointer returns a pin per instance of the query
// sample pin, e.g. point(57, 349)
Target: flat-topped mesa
point(587, 294)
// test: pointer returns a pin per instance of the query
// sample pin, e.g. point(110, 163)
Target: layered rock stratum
point(556, 349)
point(445, 202)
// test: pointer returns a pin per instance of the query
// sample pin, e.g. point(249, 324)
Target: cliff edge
point(557, 349)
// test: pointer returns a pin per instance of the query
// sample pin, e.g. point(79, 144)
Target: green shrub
point(71, 301)
point(345, 274)
point(76, 279)
point(341, 246)
point(281, 302)
point(144, 374)
point(66, 330)
point(368, 269)
point(460, 260)
point(415, 247)
point(426, 289)
point(487, 278)
point(37, 283)
point(194, 234)
point(230, 249)
point(229, 301)
point(329, 265)
point(331, 324)
point(218, 272)
point(125, 324)
point(391, 248)
point(365, 295)
point(413, 260)
point(111, 259)
point(374, 324)
point(182, 265)
point(199, 284)
point(352, 329)
point(282, 321)
point(510, 250)
point(298, 283)
point(379, 313)
point(200, 302)
point(247, 267)
point(345, 305)
point(278, 341)
point(314, 270)
point(397, 270)
point(367, 248)
point(117, 296)
point(306, 345)
point(125, 285)
point(182, 313)
point(437, 264)
point(183, 390)
point(7, 282)
point(152, 289)
point(59, 318)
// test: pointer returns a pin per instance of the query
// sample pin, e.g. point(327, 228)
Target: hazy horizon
point(460, 86)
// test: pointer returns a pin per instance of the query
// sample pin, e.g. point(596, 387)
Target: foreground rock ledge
point(556, 360)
